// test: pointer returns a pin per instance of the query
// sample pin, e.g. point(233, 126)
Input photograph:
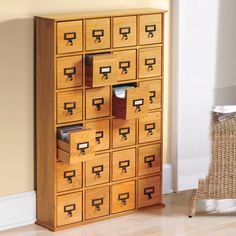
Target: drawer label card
point(82, 146)
point(138, 102)
point(105, 69)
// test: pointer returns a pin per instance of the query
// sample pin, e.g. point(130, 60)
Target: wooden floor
point(217, 219)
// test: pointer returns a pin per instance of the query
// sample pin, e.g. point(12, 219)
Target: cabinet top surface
point(98, 14)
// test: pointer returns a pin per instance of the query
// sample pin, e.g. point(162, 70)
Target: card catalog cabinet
point(99, 151)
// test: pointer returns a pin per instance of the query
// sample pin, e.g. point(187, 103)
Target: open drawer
point(130, 102)
point(75, 144)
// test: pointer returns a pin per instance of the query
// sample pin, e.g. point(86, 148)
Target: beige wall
point(17, 81)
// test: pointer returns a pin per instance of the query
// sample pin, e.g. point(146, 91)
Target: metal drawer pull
point(149, 191)
point(69, 106)
point(97, 102)
point(150, 29)
point(69, 37)
point(97, 34)
point(124, 65)
point(149, 128)
point(123, 198)
point(138, 103)
point(69, 209)
point(124, 32)
point(124, 165)
point(69, 72)
point(149, 62)
point(124, 132)
point(149, 160)
point(69, 175)
point(99, 135)
point(97, 170)
point(82, 147)
point(97, 203)
point(152, 95)
point(105, 71)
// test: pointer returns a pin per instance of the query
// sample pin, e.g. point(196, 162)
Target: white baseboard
point(17, 210)
point(167, 185)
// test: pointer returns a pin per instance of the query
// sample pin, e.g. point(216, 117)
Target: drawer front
point(149, 191)
point(69, 106)
point(102, 134)
point(97, 202)
point(69, 72)
point(124, 31)
point(98, 170)
point(155, 93)
point(150, 62)
point(98, 34)
point(68, 176)
point(123, 197)
point(150, 29)
point(149, 159)
point(123, 164)
point(69, 208)
point(126, 65)
point(150, 128)
point(98, 102)
point(69, 37)
point(123, 132)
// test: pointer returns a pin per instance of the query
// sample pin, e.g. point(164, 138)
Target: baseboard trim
point(167, 185)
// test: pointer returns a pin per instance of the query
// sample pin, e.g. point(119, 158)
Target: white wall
point(204, 75)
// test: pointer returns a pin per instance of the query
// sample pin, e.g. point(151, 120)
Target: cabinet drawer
point(69, 37)
point(97, 202)
point(150, 128)
point(69, 106)
point(126, 65)
point(123, 197)
point(150, 29)
point(69, 72)
point(155, 93)
point(68, 176)
point(98, 102)
point(123, 164)
point(97, 171)
point(149, 159)
point(69, 208)
point(79, 147)
point(135, 103)
point(149, 191)
point(98, 34)
point(102, 134)
point(123, 132)
point(101, 70)
point(150, 62)
point(124, 31)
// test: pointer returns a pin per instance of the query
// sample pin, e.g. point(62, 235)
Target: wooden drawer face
point(155, 93)
point(150, 128)
point(134, 105)
point(98, 34)
point(69, 72)
point(79, 148)
point(68, 176)
point(149, 159)
point(126, 65)
point(69, 37)
point(98, 170)
point(97, 202)
point(124, 31)
point(69, 208)
point(123, 132)
point(150, 62)
point(123, 164)
point(98, 102)
point(150, 29)
point(101, 70)
point(123, 197)
point(69, 106)
point(102, 138)
point(149, 191)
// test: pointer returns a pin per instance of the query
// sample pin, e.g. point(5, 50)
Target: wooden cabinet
point(99, 106)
